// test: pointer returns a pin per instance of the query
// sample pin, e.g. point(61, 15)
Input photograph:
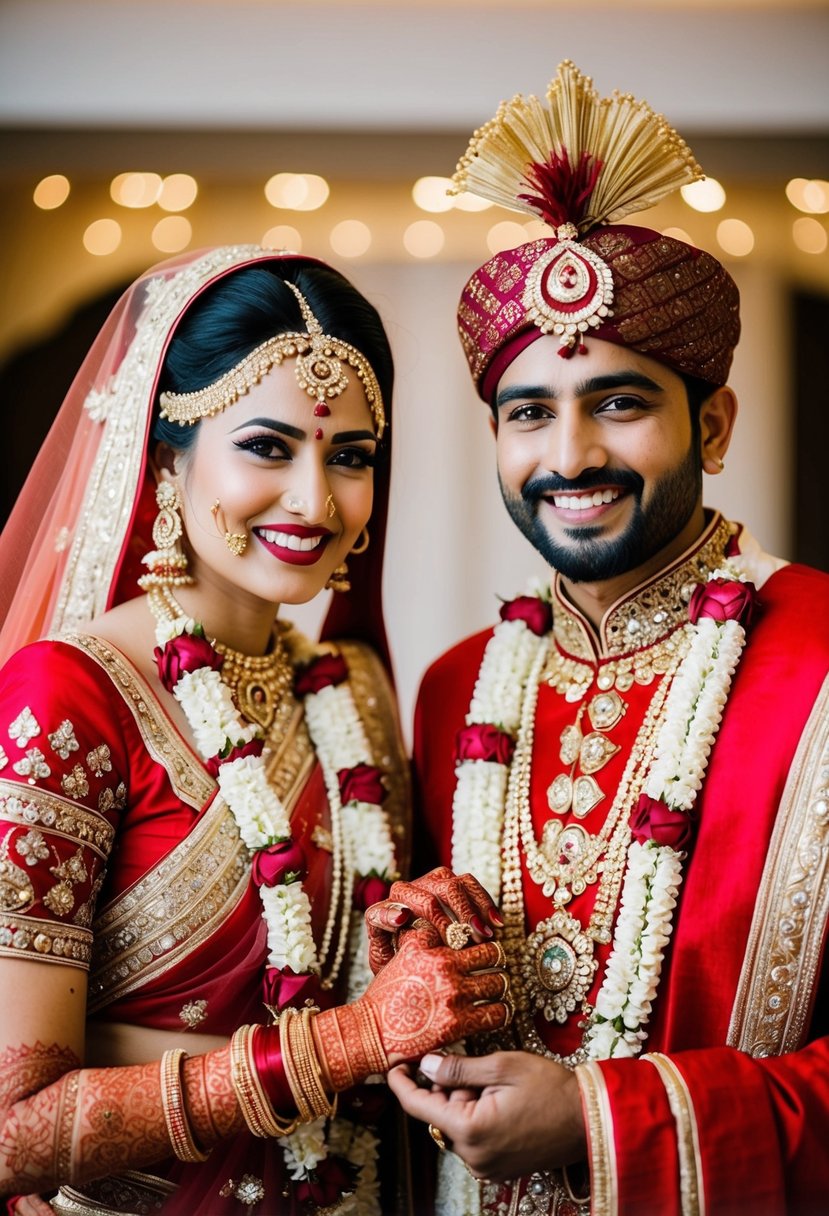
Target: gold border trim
point(692, 1190)
point(188, 776)
point(46, 940)
point(604, 1177)
point(777, 984)
point(72, 821)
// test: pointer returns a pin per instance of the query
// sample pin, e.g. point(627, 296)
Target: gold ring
point(458, 934)
point(437, 1136)
point(501, 960)
point(505, 978)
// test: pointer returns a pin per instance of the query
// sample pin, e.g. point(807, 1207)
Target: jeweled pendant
point(560, 794)
point(558, 966)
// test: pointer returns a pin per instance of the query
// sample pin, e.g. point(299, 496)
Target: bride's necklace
point(258, 683)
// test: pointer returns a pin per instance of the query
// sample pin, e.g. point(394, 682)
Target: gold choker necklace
point(257, 683)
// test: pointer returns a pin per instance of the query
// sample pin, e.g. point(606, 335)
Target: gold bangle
point(376, 1056)
point(302, 1067)
point(172, 1103)
point(257, 1111)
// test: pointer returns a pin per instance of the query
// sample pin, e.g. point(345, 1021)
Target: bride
point(197, 804)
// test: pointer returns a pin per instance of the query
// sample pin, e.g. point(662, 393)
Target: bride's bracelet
point(254, 1103)
point(175, 1114)
point(302, 1065)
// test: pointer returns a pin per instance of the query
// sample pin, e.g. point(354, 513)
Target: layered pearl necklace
point(361, 841)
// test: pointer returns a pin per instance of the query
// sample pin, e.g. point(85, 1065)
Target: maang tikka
point(167, 562)
point(320, 370)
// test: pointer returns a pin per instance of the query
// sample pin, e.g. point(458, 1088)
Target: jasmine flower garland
point(190, 668)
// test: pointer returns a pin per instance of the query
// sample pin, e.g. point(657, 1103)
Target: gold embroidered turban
point(582, 163)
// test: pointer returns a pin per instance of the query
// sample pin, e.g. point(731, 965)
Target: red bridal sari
point(118, 855)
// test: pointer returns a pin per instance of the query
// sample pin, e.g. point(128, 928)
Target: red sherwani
point(724, 1127)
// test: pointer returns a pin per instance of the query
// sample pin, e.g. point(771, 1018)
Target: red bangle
point(267, 1058)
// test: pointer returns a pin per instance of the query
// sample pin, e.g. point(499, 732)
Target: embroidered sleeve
point(62, 787)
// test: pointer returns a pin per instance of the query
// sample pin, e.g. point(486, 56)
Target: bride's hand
point(427, 997)
point(444, 900)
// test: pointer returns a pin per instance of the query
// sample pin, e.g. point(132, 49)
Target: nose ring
point(330, 506)
point(293, 503)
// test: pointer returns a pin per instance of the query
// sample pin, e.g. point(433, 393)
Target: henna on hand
point(427, 997)
point(440, 897)
point(97, 1121)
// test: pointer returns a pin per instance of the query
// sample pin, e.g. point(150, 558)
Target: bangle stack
point(377, 1062)
point(257, 1111)
point(175, 1115)
point(302, 1066)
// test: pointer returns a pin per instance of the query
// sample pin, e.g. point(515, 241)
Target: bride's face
point(299, 486)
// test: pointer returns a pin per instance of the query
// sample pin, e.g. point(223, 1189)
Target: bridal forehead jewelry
point(320, 371)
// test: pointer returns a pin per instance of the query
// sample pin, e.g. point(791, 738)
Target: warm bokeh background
point(373, 97)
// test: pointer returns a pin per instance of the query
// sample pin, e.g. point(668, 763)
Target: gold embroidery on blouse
point(377, 709)
point(63, 740)
point(41, 807)
point(98, 760)
point(24, 728)
point(17, 893)
point(780, 969)
point(33, 766)
point(75, 783)
point(651, 612)
point(188, 776)
point(191, 891)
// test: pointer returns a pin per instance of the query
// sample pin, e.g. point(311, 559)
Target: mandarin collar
point(647, 613)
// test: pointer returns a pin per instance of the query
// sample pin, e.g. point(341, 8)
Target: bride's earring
point(236, 542)
point(167, 562)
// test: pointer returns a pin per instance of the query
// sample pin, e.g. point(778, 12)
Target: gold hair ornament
point(578, 161)
point(319, 370)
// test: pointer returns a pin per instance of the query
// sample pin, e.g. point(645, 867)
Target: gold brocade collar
point(650, 611)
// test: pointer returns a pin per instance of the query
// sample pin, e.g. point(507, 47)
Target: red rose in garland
point(723, 600)
point(183, 654)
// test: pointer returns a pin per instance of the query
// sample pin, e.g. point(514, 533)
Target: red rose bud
point(183, 654)
point(252, 748)
point(281, 988)
point(653, 820)
point(362, 783)
point(278, 863)
point(536, 613)
point(327, 1182)
point(370, 890)
point(327, 669)
point(723, 599)
point(483, 741)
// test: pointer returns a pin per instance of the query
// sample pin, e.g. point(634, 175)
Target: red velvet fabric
point(761, 1122)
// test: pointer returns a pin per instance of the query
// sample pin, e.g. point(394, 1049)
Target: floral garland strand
point(189, 667)
point(660, 822)
point(489, 738)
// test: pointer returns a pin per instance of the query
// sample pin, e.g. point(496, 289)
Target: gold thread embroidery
point(691, 1187)
point(604, 1188)
point(779, 974)
point(20, 804)
point(188, 777)
point(653, 611)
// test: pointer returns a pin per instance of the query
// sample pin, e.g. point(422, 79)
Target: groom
point(636, 765)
